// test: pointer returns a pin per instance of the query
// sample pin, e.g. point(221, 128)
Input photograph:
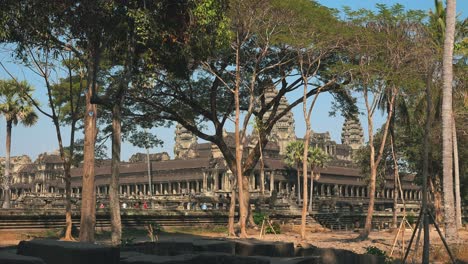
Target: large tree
point(385, 55)
point(256, 54)
point(15, 107)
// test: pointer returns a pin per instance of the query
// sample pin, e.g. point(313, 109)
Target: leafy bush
point(371, 250)
point(274, 228)
point(259, 217)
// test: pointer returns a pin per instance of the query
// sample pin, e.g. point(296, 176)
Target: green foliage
point(14, 102)
point(371, 250)
point(127, 241)
point(411, 218)
point(260, 218)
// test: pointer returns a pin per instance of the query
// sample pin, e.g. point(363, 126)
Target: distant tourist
point(101, 206)
point(145, 205)
point(124, 206)
point(203, 206)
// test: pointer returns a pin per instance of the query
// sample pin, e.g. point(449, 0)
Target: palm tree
point(294, 152)
point(16, 109)
point(447, 147)
point(317, 158)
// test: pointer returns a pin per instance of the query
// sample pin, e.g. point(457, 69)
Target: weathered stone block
point(261, 248)
point(58, 252)
point(334, 256)
point(299, 260)
point(163, 248)
point(211, 245)
point(9, 258)
point(153, 259)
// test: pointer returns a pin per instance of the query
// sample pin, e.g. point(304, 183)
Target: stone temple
point(198, 169)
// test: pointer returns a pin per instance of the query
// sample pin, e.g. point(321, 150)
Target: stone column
point(272, 181)
point(252, 181)
point(205, 181)
point(216, 179)
point(197, 186)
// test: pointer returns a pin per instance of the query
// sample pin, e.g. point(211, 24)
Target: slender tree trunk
point(88, 197)
point(114, 201)
point(67, 177)
point(243, 197)
point(395, 183)
point(447, 146)
point(68, 215)
point(457, 176)
point(6, 177)
point(232, 210)
point(305, 177)
point(375, 160)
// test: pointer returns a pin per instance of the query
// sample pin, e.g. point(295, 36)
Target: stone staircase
point(334, 221)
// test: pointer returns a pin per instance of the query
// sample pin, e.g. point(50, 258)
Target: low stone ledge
point(262, 248)
point(154, 259)
point(58, 252)
point(211, 245)
point(162, 248)
point(333, 256)
point(298, 260)
point(217, 258)
point(9, 258)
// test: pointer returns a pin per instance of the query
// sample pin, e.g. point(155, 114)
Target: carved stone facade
point(352, 134)
point(284, 131)
point(185, 143)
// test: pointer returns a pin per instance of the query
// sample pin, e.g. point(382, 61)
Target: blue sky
point(41, 137)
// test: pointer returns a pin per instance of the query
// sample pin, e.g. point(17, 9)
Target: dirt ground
point(383, 240)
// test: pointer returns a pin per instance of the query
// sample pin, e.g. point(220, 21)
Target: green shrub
point(258, 220)
point(371, 250)
point(259, 217)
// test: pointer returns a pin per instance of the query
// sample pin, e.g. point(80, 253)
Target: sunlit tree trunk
point(375, 160)
point(451, 233)
point(6, 177)
point(243, 191)
point(114, 202)
point(88, 197)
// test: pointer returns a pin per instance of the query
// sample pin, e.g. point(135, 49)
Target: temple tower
point(185, 143)
point(283, 131)
point(352, 133)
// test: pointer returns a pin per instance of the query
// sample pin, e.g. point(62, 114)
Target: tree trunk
point(232, 210)
point(374, 161)
point(88, 197)
point(68, 216)
point(304, 175)
point(447, 146)
point(240, 178)
point(370, 210)
point(6, 177)
point(457, 176)
point(114, 201)
point(395, 183)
